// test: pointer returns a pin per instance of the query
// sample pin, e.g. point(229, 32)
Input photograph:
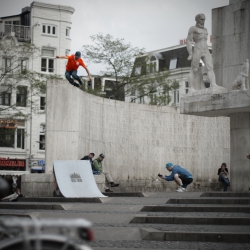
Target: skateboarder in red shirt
point(74, 61)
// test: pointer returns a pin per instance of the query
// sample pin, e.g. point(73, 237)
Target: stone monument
point(231, 39)
point(198, 34)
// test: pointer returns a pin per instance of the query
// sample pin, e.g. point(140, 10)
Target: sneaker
point(180, 189)
point(114, 185)
point(109, 191)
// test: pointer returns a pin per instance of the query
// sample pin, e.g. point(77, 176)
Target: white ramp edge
point(75, 179)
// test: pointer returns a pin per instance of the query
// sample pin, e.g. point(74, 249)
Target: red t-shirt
point(74, 64)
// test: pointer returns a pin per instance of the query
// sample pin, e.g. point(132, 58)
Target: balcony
point(22, 33)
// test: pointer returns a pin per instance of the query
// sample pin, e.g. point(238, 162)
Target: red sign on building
point(12, 164)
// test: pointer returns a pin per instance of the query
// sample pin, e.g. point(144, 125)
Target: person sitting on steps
point(223, 176)
point(97, 169)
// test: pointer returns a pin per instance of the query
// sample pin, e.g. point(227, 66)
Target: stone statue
point(199, 34)
point(241, 82)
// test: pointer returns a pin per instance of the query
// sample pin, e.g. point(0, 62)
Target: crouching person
point(97, 169)
point(180, 175)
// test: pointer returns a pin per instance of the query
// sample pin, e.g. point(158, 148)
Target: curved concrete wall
point(137, 139)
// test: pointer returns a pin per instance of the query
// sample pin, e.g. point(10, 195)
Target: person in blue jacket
point(180, 175)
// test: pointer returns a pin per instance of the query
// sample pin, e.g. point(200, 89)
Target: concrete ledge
point(206, 208)
point(242, 201)
point(60, 199)
point(128, 194)
point(191, 220)
point(12, 205)
point(213, 105)
point(16, 215)
point(156, 235)
point(225, 194)
point(43, 185)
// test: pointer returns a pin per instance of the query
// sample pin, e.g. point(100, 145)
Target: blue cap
point(169, 164)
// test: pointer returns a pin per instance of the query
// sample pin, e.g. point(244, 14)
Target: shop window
point(7, 137)
point(21, 96)
point(20, 138)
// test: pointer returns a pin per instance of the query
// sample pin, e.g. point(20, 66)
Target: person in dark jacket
point(89, 157)
point(223, 176)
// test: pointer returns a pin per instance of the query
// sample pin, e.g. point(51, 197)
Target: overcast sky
point(149, 24)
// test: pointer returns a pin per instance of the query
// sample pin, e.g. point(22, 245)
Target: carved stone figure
point(198, 34)
point(241, 82)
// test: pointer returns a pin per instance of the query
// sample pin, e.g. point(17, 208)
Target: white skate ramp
point(75, 179)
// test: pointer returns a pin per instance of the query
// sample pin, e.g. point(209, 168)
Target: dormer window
point(153, 62)
point(173, 63)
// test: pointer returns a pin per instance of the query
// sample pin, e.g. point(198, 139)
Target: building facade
point(174, 60)
point(47, 26)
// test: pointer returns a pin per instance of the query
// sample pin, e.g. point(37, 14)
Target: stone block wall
point(231, 39)
point(137, 139)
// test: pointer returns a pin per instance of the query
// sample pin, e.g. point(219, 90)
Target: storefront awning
point(13, 173)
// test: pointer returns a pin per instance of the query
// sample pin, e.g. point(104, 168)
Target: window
point(186, 87)
point(7, 137)
point(20, 138)
point(42, 137)
point(16, 22)
point(152, 64)
point(47, 60)
point(67, 51)
point(42, 102)
point(21, 96)
point(142, 99)
point(5, 95)
point(176, 96)
point(49, 29)
point(173, 63)
point(67, 32)
point(24, 65)
point(138, 70)
point(132, 100)
point(7, 64)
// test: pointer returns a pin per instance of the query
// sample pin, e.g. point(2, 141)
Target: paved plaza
point(223, 217)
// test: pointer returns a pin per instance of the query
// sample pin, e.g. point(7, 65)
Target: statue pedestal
point(236, 105)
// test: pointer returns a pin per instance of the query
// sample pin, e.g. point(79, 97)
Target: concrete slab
point(12, 205)
point(59, 199)
point(156, 235)
point(210, 201)
point(117, 233)
point(225, 194)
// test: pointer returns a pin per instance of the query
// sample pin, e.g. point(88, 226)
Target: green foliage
point(119, 59)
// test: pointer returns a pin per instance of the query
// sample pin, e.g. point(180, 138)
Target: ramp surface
point(75, 179)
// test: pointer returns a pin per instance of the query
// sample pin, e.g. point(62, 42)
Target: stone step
point(225, 194)
point(59, 199)
point(156, 235)
point(193, 208)
point(11, 205)
point(127, 194)
point(209, 201)
point(144, 218)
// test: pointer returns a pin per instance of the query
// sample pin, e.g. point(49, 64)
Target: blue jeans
point(96, 172)
point(73, 73)
point(225, 180)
